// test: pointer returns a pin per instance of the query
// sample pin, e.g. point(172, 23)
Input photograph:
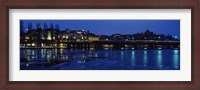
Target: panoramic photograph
point(99, 44)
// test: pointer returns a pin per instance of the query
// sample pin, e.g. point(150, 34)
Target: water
point(63, 59)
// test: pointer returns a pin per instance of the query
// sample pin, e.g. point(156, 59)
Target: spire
point(147, 30)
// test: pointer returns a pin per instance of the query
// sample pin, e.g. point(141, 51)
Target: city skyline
point(99, 45)
point(109, 27)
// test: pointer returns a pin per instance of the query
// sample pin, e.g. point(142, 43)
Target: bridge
point(104, 44)
point(136, 44)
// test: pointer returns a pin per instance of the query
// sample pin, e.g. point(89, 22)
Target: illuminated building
point(93, 38)
point(82, 39)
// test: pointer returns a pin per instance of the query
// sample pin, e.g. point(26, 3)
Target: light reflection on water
point(145, 58)
point(176, 58)
point(159, 58)
point(63, 59)
point(133, 58)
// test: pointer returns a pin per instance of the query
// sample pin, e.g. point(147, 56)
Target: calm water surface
point(63, 59)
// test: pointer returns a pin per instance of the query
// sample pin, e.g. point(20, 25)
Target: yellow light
point(49, 36)
point(33, 44)
point(27, 37)
point(78, 40)
point(106, 45)
point(92, 49)
point(66, 37)
point(93, 38)
point(61, 45)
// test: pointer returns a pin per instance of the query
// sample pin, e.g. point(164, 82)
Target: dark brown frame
point(99, 4)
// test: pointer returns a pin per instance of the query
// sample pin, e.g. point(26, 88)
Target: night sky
point(108, 27)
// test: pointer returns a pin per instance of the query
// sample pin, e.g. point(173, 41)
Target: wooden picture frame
point(99, 4)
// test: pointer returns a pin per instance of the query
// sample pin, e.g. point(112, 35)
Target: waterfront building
point(55, 38)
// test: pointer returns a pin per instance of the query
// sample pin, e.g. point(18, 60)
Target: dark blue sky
point(108, 27)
